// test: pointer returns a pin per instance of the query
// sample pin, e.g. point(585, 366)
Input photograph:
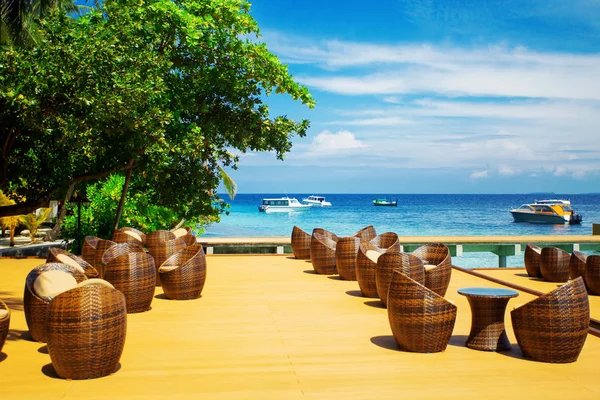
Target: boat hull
point(275, 209)
point(317, 203)
point(537, 218)
point(389, 204)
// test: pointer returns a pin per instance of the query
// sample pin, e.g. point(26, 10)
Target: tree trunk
point(55, 232)
point(12, 237)
point(122, 201)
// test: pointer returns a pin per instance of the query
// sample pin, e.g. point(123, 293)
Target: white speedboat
point(547, 212)
point(316, 201)
point(283, 204)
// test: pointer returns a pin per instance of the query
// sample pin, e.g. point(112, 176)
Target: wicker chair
point(35, 307)
point(577, 265)
point(387, 263)
point(184, 273)
point(554, 264)
point(346, 251)
point(57, 255)
point(86, 331)
point(162, 245)
point(322, 251)
point(101, 248)
point(366, 234)
point(187, 235)
point(532, 260)
point(129, 235)
point(4, 323)
point(421, 320)
point(438, 266)
point(88, 251)
point(366, 266)
point(134, 274)
point(554, 327)
point(118, 250)
point(592, 274)
point(300, 243)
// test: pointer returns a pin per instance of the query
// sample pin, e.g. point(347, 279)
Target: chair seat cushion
point(96, 281)
point(134, 235)
point(3, 314)
point(167, 268)
point(180, 232)
point(65, 259)
point(429, 267)
point(50, 284)
point(373, 255)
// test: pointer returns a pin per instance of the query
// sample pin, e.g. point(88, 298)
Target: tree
point(164, 88)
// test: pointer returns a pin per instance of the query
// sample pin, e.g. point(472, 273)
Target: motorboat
point(282, 204)
point(385, 202)
point(316, 201)
point(552, 211)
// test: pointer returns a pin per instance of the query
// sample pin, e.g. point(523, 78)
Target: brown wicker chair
point(187, 235)
point(577, 265)
point(366, 234)
point(300, 243)
point(4, 324)
point(129, 235)
point(322, 251)
point(438, 266)
point(161, 249)
point(366, 266)
point(184, 273)
point(35, 307)
point(554, 264)
point(118, 250)
point(88, 251)
point(421, 320)
point(134, 274)
point(408, 264)
point(553, 328)
point(346, 251)
point(592, 274)
point(86, 331)
point(101, 248)
point(532, 260)
point(57, 255)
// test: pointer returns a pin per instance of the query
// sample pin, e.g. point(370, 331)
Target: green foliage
point(139, 212)
point(172, 86)
point(33, 221)
point(9, 222)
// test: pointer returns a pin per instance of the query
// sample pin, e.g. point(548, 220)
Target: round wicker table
point(488, 306)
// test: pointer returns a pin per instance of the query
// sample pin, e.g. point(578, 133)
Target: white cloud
point(391, 99)
point(579, 174)
point(505, 170)
point(479, 174)
point(332, 143)
point(384, 121)
point(560, 171)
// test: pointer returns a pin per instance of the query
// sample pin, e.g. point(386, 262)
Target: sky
point(435, 96)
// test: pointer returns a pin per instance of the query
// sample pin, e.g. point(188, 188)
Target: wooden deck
point(268, 328)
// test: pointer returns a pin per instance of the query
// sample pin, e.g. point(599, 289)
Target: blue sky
point(435, 96)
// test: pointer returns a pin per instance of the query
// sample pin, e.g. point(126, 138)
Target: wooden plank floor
point(268, 328)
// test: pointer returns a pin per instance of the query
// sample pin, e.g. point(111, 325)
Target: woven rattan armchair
point(300, 243)
point(101, 248)
point(86, 331)
point(421, 320)
point(134, 274)
point(35, 307)
point(187, 235)
point(554, 327)
point(4, 323)
point(554, 264)
point(129, 235)
point(162, 245)
point(184, 273)
point(438, 266)
point(345, 257)
point(592, 274)
point(366, 261)
point(322, 251)
point(57, 255)
point(577, 265)
point(408, 264)
point(118, 250)
point(532, 260)
point(88, 250)
point(366, 234)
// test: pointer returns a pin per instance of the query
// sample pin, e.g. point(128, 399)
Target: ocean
point(415, 215)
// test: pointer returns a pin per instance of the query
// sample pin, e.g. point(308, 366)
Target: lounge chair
point(554, 264)
point(322, 251)
point(366, 261)
point(300, 243)
point(408, 264)
point(438, 266)
point(532, 260)
point(57, 255)
point(184, 273)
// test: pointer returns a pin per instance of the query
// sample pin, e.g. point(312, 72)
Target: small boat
point(547, 212)
point(283, 204)
point(316, 201)
point(384, 202)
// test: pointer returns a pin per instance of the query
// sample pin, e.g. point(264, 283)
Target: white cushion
point(373, 255)
point(134, 235)
point(50, 284)
point(538, 250)
point(95, 281)
point(65, 259)
point(167, 268)
point(180, 232)
point(3, 313)
point(429, 267)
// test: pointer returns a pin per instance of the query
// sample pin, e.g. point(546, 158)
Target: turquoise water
point(416, 215)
